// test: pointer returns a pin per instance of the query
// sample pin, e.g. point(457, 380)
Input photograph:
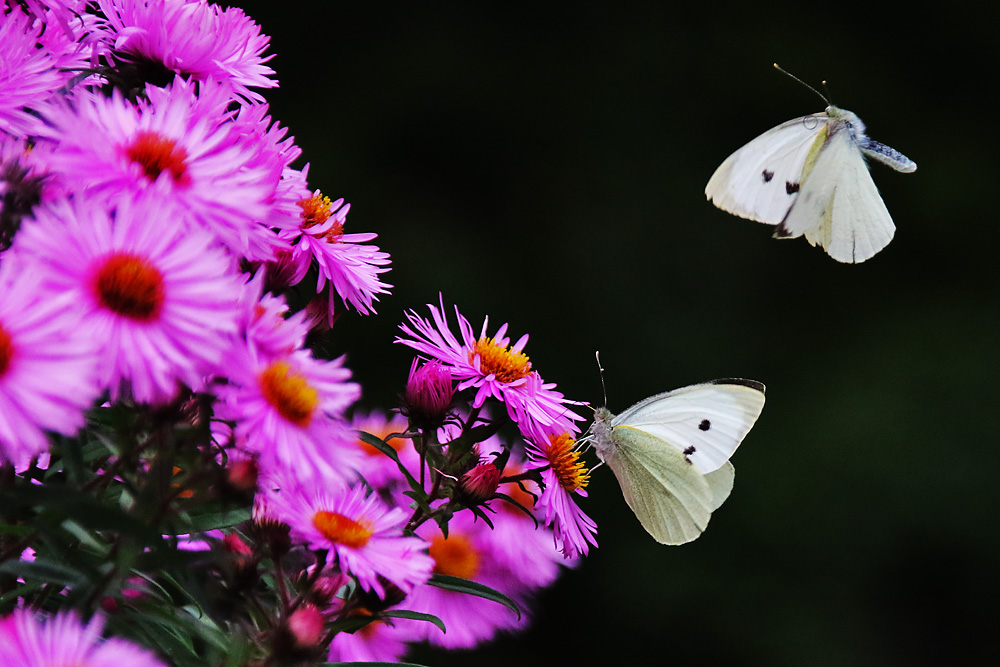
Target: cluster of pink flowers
point(130, 212)
point(150, 216)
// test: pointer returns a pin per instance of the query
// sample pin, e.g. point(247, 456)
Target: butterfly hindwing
point(671, 499)
point(704, 422)
point(761, 180)
point(839, 207)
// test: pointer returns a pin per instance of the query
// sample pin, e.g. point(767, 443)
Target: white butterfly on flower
point(809, 177)
point(671, 452)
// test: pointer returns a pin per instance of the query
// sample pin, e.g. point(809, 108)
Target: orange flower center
point(6, 351)
point(495, 359)
point(343, 530)
point(454, 556)
point(157, 154)
point(316, 211)
point(130, 286)
point(564, 459)
point(289, 393)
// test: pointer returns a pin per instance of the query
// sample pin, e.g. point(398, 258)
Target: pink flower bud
point(234, 544)
point(429, 391)
point(306, 626)
point(242, 475)
point(479, 484)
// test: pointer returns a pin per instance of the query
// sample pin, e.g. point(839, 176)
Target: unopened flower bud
point(429, 391)
point(479, 484)
point(241, 475)
point(306, 626)
point(234, 544)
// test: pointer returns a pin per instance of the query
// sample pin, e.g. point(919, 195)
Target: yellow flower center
point(564, 459)
point(343, 530)
point(157, 154)
point(316, 211)
point(454, 556)
point(495, 359)
point(130, 286)
point(289, 393)
point(6, 351)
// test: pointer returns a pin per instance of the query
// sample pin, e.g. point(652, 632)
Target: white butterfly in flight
point(809, 177)
point(671, 452)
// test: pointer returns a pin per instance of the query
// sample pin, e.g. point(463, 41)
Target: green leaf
point(460, 585)
point(387, 449)
point(216, 520)
point(519, 506)
point(414, 615)
point(44, 569)
point(351, 624)
point(18, 530)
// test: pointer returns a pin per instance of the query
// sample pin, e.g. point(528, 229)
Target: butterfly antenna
point(600, 369)
point(786, 72)
point(828, 95)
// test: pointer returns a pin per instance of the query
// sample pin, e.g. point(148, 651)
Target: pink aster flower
point(376, 642)
point(179, 141)
point(265, 323)
point(157, 299)
point(493, 367)
point(470, 552)
point(362, 536)
point(67, 13)
point(288, 411)
point(48, 374)
point(351, 267)
point(28, 74)
point(197, 40)
point(564, 476)
point(25, 641)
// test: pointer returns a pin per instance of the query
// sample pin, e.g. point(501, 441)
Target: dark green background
point(544, 165)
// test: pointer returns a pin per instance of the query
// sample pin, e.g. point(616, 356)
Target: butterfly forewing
point(761, 180)
point(671, 499)
point(704, 422)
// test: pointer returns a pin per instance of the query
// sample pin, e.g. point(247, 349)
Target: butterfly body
point(808, 176)
point(671, 453)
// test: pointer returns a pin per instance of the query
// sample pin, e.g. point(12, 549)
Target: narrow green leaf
point(414, 615)
point(216, 520)
point(460, 585)
point(386, 449)
point(43, 569)
point(351, 624)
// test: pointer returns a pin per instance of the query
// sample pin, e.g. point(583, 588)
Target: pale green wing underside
point(672, 500)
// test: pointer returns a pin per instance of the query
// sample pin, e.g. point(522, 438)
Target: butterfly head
point(599, 434)
point(850, 121)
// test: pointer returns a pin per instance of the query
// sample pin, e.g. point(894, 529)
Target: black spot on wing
point(791, 188)
point(767, 175)
point(704, 425)
point(688, 452)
